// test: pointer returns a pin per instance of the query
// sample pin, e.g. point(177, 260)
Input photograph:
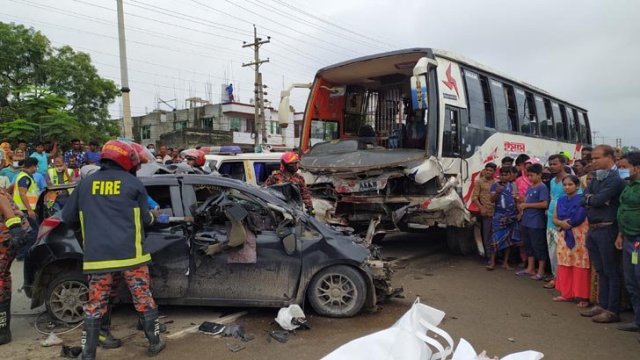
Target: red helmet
point(121, 153)
point(141, 151)
point(194, 154)
point(289, 157)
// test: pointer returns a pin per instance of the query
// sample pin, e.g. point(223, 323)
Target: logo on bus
point(450, 82)
point(514, 147)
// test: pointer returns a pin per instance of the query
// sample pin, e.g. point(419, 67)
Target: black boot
point(163, 327)
point(5, 322)
point(90, 338)
point(151, 327)
point(106, 340)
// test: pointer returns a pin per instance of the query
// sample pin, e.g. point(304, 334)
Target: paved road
point(495, 311)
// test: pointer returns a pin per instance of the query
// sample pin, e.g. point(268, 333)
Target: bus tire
point(460, 241)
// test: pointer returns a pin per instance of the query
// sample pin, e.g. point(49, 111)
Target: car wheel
point(337, 291)
point(66, 296)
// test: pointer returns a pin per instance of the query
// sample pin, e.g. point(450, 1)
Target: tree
point(49, 93)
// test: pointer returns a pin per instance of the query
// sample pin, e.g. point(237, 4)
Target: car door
point(167, 243)
point(271, 277)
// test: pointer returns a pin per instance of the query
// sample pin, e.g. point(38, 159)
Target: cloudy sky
point(580, 50)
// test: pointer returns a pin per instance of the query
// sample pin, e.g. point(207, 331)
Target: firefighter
point(13, 236)
point(196, 159)
point(288, 173)
point(110, 206)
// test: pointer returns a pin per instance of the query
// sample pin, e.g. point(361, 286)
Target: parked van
point(252, 168)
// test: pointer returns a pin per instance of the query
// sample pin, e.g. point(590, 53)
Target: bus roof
point(431, 53)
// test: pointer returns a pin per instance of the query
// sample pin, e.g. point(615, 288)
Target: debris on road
point(211, 328)
point(70, 352)
point(291, 317)
point(223, 321)
point(52, 340)
point(281, 336)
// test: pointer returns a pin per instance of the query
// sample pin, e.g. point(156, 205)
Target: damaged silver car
point(229, 244)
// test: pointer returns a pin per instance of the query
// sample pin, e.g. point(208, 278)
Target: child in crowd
point(504, 218)
point(533, 224)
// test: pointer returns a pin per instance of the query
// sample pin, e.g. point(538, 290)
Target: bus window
point(488, 107)
point(523, 121)
point(530, 115)
point(475, 95)
point(583, 133)
point(576, 126)
point(569, 124)
point(500, 108)
point(543, 117)
point(585, 129)
point(511, 107)
point(323, 131)
point(558, 121)
point(546, 126)
point(451, 133)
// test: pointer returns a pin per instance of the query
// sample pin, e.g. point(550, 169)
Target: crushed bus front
point(402, 187)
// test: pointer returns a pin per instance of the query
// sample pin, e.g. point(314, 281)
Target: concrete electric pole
point(260, 127)
point(127, 125)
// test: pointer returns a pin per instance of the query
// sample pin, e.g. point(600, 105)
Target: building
point(227, 123)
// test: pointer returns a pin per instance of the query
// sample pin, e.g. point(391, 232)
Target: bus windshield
point(367, 100)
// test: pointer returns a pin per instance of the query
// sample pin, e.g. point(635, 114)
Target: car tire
point(337, 291)
point(66, 296)
point(460, 241)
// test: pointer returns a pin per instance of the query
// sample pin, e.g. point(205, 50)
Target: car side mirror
point(289, 243)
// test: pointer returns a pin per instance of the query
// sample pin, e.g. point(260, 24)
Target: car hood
point(344, 156)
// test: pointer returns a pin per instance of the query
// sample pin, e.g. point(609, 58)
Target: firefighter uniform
point(280, 177)
point(13, 230)
point(110, 206)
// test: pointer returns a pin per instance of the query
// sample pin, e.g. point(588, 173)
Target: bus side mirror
point(283, 109)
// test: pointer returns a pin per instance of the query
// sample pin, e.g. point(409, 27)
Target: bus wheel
point(460, 241)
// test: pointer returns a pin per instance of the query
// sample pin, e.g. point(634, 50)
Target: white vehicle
point(252, 168)
point(396, 140)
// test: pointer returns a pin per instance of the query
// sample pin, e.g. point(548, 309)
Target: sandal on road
point(523, 273)
point(537, 277)
point(560, 299)
point(583, 304)
point(550, 285)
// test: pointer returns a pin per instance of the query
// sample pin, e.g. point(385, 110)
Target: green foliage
point(49, 93)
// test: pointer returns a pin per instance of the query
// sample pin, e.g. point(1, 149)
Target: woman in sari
point(573, 277)
point(505, 217)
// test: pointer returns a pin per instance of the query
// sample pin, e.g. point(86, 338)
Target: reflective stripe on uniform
point(81, 216)
point(138, 258)
point(32, 192)
point(16, 220)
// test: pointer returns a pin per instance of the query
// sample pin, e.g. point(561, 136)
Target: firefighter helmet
point(143, 152)
point(289, 157)
point(196, 155)
point(121, 153)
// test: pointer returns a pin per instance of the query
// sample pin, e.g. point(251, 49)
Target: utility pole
point(258, 93)
point(124, 76)
point(594, 135)
point(619, 143)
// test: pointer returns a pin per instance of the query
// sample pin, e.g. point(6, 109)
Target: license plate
point(368, 185)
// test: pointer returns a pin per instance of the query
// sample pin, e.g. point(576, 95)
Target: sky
point(583, 51)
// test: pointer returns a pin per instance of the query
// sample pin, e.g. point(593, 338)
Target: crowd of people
point(564, 220)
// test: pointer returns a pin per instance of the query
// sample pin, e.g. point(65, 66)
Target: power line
point(293, 17)
point(297, 9)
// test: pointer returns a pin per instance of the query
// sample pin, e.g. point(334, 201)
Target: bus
point(395, 141)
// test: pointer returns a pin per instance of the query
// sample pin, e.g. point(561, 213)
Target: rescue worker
point(196, 159)
point(59, 174)
point(13, 236)
point(25, 196)
point(288, 173)
point(110, 206)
